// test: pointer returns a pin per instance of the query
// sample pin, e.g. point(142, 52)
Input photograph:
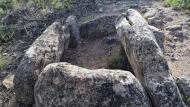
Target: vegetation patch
point(186, 99)
point(178, 4)
point(3, 62)
point(5, 35)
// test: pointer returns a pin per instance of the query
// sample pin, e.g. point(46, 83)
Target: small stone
point(151, 12)
point(174, 57)
point(168, 19)
point(188, 23)
point(174, 28)
point(101, 10)
point(188, 20)
point(5, 54)
point(179, 34)
point(8, 81)
point(175, 38)
point(134, 6)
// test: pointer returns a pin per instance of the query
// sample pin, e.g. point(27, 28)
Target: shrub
point(5, 35)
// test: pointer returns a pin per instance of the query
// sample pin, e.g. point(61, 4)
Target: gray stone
point(174, 28)
point(98, 27)
point(183, 84)
point(47, 48)
point(73, 26)
point(155, 17)
point(147, 60)
point(188, 20)
point(150, 12)
point(65, 85)
point(159, 35)
point(188, 24)
point(168, 19)
point(8, 81)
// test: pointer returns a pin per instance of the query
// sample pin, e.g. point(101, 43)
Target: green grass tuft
point(179, 4)
point(3, 62)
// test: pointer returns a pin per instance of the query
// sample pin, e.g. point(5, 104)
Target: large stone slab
point(147, 60)
point(98, 27)
point(48, 48)
point(66, 85)
point(73, 26)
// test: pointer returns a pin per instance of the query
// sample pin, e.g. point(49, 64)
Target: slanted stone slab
point(147, 60)
point(66, 85)
point(48, 48)
point(99, 27)
point(73, 26)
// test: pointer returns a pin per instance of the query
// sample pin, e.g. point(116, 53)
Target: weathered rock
point(174, 28)
point(147, 60)
point(150, 12)
point(98, 27)
point(65, 85)
point(175, 33)
point(159, 35)
point(73, 25)
point(8, 81)
point(48, 48)
point(155, 17)
point(183, 84)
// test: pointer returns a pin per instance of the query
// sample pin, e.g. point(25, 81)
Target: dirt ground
point(94, 53)
point(178, 56)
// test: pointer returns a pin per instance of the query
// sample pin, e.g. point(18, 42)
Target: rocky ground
point(174, 23)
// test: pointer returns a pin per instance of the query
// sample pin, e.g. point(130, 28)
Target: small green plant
point(57, 4)
point(186, 99)
point(185, 4)
point(5, 35)
point(3, 62)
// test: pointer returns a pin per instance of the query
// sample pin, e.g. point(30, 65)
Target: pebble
point(174, 27)
point(174, 57)
point(101, 10)
point(5, 54)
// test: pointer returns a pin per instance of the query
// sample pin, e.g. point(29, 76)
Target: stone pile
point(40, 79)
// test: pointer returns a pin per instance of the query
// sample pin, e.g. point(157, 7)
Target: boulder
point(183, 84)
point(98, 27)
point(66, 85)
point(73, 26)
point(47, 48)
point(147, 60)
point(159, 35)
point(155, 17)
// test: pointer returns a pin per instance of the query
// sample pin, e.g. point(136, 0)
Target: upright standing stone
point(73, 26)
point(48, 48)
point(147, 60)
